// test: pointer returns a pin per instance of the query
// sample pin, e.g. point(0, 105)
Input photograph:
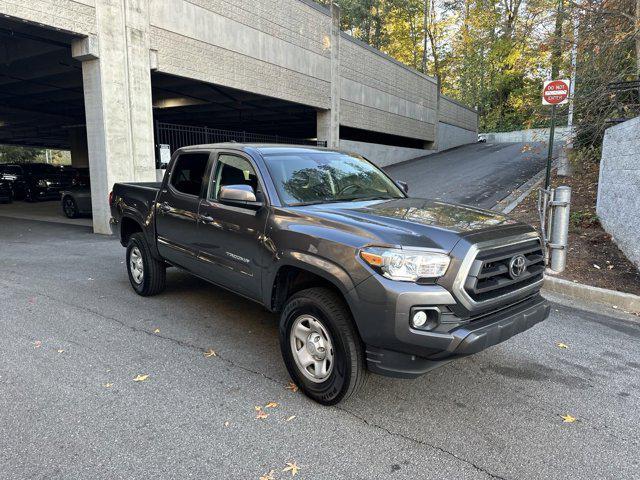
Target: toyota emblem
point(517, 266)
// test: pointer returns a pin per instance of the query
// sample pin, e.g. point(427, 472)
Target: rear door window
point(188, 173)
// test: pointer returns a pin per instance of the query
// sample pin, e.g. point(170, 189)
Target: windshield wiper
point(317, 202)
point(340, 200)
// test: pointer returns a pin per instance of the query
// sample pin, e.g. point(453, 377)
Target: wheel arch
point(298, 271)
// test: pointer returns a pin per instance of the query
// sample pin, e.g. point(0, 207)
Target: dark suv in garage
point(36, 181)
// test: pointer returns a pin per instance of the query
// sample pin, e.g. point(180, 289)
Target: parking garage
point(122, 84)
point(42, 106)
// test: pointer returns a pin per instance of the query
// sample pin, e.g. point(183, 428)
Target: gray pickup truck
point(365, 278)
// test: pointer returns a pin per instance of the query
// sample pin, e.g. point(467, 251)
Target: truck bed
point(137, 200)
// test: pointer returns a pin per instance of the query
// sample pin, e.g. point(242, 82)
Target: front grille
point(490, 276)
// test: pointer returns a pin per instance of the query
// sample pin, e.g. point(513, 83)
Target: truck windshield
point(305, 178)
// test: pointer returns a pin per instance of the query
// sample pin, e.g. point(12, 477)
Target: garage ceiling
point(41, 95)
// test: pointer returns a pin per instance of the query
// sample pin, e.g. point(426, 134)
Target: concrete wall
point(382, 96)
point(450, 136)
point(278, 48)
point(530, 135)
point(452, 112)
point(619, 187)
point(383, 155)
point(77, 16)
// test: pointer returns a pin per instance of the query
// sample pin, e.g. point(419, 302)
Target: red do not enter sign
point(555, 92)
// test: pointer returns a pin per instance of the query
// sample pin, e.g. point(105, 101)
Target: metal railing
point(177, 136)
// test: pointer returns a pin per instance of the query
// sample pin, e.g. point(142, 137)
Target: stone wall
point(272, 47)
point(454, 113)
point(380, 95)
point(619, 187)
point(77, 16)
point(527, 136)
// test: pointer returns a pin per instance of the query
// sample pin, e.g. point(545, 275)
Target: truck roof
point(261, 147)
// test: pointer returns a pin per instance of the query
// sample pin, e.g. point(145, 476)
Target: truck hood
point(412, 221)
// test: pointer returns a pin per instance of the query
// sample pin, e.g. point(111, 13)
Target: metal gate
point(177, 136)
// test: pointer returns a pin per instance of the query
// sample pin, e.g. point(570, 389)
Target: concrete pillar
point(435, 145)
point(118, 105)
point(79, 148)
point(328, 121)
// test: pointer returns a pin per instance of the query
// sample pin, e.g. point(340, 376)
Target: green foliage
point(495, 54)
point(583, 219)
point(11, 154)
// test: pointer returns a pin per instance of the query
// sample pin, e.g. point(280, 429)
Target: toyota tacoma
point(364, 277)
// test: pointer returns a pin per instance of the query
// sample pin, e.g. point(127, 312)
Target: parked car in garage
point(36, 181)
point(76, 200)
point(6, 195)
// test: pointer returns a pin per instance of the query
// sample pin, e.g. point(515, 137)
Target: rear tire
point(146, 274)
point(322, 314)
point(28, 195)
point(69, 207)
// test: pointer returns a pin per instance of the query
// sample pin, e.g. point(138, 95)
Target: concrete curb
point(519, 194)
point(625, 302)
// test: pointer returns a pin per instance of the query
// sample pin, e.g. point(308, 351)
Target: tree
point(12, 154)
point(495, 54)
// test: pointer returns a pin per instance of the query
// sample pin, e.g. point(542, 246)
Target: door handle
point(164, 207)
point(206, 219)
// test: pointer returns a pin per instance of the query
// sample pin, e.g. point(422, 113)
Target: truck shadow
point(247, 334)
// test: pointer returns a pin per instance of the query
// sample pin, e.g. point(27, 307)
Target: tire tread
point(155, 271)
point(342, 320)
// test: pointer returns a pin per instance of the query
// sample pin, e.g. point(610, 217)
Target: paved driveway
point(478, 174)
point(74, 336)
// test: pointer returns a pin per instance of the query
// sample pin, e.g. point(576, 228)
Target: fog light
point(419, 319)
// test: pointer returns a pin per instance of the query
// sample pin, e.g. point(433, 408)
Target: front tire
point(146, 274)
point(321, 347)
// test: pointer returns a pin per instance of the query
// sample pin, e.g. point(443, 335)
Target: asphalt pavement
point(479, 174)
point(74, 337)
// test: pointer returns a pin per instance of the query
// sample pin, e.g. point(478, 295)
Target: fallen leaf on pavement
point(271, 405)
point(141, 378)
point(291, 467)
point(562, 345)
point(568, 418)
point(292, 386)
point(261, 415)
point(210, 353)
point(268, 476)
point(291, 418)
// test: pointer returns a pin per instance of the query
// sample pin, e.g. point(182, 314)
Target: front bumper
point(47, 193)
point(393, 348)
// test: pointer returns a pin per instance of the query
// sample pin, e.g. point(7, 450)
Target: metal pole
point(564, 167)
point(550, 153)
point(560, 205)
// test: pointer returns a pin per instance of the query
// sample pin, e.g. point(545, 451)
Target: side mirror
point(239, 195)
point(404, 186)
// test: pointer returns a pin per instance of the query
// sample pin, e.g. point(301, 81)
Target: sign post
point(554, 93)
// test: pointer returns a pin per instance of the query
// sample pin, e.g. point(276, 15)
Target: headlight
point(43, 183)
point(406, 264)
